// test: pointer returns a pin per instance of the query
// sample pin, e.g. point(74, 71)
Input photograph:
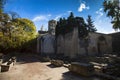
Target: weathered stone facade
point(47, 44)
point(51, 27)
point(46, 39)
point(116, 42)
point(70, 44)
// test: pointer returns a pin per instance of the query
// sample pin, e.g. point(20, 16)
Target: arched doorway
point(102, 45)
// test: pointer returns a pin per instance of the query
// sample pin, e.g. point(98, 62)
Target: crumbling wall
point(60, 44)
point(97, 44)
point(71, 43)
point(68, 44)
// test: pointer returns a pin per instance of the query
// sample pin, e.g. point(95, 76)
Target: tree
point(71, 15)
point(2, 3)
point(13, 15)
point(65, 26)
point(5, 23)
point(15, 32)
point(22, 32)
point(112, 8)
point(24, 28)
point(91, 27)
point(4, 19)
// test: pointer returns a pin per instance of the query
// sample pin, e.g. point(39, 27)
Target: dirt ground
point(29, 68)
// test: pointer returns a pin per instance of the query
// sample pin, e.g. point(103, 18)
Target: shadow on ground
point(27, 58)
point(72, 76)
point(52, 66)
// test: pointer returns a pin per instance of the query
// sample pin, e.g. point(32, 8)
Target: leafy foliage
point(112, 8)
point(2, 2)
point(90, 25)
point(15, 32)
point(67, 25)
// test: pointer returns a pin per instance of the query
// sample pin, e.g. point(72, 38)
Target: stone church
point(70, 45)
point(46, 40)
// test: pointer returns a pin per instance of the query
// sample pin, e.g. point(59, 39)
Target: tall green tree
point(112, 8)
point(67, 25)
point(91, 27)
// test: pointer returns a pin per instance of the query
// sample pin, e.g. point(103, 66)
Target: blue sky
point(41, 11)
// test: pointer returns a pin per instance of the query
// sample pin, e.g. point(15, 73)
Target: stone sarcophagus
point(5, 68)
point(82, 69)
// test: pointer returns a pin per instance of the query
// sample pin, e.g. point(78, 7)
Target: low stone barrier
point(4, 68)
point(66, 65)
point(99, 67)
point(57, 63)
point(45, 59)
point(82, 69)
point(7, 65)
point(1, 61)
point(13, 59)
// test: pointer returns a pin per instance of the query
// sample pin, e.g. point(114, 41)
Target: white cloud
point(39, 18)
point(57, 17)
point(42, 20)
point(103, 23)
point(69, 11)
point(82, 7)
point(49, 15)
point(100, 12)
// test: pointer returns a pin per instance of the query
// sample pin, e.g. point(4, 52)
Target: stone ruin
point(6, 65)
point(70, 46)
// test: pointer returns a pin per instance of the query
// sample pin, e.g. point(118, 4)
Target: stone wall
point(99, 46)
point(115, 41)
point(70, 45)
point(47, 44)
point(67, 44)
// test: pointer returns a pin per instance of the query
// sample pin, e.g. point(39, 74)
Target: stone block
point(45, 59)
point(57, 63)
point(10, 63)
point(1, 60)
point(4, 68)
point(99, 67)
point(13, 60)
point(82, 69)
point(1, 55)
